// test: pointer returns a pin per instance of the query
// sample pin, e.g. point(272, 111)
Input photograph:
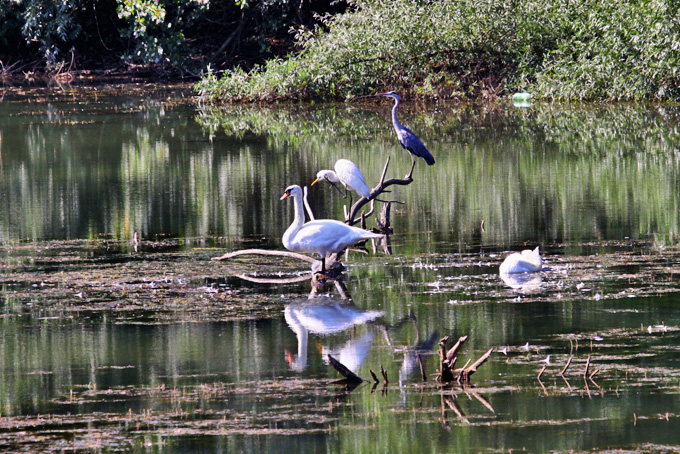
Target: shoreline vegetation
point(292, 51)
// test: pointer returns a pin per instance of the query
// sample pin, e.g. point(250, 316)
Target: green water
point(152, 347)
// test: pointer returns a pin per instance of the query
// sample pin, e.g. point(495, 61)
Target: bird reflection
point(325, 315)
point(524, 282)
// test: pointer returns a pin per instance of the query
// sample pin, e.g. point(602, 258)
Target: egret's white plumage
point(321, 236)
point(347, 173)
point(527, 261)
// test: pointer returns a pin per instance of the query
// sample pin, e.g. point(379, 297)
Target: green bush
point(611, 49)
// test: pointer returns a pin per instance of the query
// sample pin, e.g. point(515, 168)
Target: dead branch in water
point(566, 366)
point(447, 360)
point(350, 377)
point(382, 186)
point(468, 371)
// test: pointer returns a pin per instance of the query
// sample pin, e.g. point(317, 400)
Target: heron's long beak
point(315, 181)
point(285, 195)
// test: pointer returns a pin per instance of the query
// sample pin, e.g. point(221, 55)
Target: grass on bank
point(466, 49)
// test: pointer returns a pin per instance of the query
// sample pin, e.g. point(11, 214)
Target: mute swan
point(347, 173)
point(321, 236)
point(407, 139)
point(326, 317)
point(527, 261)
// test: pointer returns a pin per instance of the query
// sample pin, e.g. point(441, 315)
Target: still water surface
point(156, 348)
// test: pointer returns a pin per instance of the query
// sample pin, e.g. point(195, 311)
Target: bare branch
point(379, 189)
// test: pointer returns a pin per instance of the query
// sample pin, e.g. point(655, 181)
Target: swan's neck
point(298, 221)
point(302, 337)
point(395, 122)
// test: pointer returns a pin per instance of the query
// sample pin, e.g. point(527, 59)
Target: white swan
point(527, 261)
point(321, 236)
point(325, 317)
point(347, 173)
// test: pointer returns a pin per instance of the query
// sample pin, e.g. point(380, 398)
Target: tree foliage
point(184, 35)
point(612, 49)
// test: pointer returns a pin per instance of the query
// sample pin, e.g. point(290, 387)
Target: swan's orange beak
point(285, 195)
point(315, 182)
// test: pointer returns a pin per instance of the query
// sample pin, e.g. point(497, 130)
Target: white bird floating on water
point(321, 236)
point(527, 261)
point(347, 173)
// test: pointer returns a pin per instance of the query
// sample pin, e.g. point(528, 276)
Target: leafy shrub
point(611, 49)
point(156, 29)
point(50, 23)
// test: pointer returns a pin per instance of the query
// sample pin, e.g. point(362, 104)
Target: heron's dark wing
point(413, 144)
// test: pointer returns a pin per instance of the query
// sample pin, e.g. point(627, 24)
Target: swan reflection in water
point(524, 282)
point(325, 315)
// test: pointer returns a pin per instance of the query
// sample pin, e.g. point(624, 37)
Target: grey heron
point(407, 139)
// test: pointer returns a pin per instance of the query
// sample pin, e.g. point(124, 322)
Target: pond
point(119, 331)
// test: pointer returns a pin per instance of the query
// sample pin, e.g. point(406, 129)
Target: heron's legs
point(413, 166)
point(344, 195)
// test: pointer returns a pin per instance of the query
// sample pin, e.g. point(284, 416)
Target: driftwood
point(447, 360)
point(294, 255)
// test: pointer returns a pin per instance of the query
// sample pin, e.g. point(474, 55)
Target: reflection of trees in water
point(550, 173)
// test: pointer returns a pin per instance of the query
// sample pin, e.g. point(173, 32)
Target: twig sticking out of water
point(375, 377)
point(422, 367)
point(566, 366)
point(585, 372)
point(542, 370)
point(351, 218)
point(384, 375)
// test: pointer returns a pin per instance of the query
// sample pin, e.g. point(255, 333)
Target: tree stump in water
point(447, 360)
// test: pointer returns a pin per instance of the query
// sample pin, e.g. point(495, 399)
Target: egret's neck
point(395, 122)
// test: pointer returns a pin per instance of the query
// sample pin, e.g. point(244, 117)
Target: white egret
point(321, 236)
point(347, 173)
point(407, 139)
point(527, 261)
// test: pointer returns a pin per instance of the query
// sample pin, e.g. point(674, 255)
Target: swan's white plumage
point(326, 317)
point(527, 261)
point(347, 173)
point(321, 236)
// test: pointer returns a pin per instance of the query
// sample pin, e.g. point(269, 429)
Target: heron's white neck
point(298, 220)
point(395, 122)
